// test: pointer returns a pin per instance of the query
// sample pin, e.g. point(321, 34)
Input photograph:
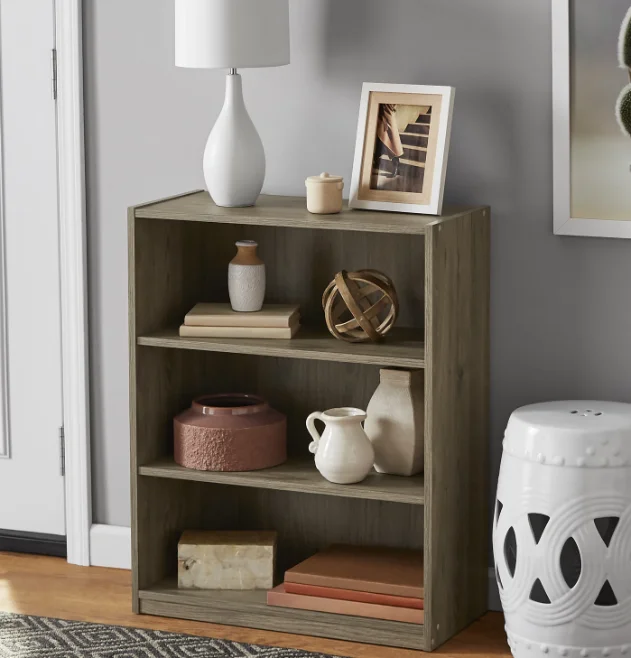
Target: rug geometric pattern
point(23, 636)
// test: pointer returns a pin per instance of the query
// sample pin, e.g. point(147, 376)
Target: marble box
point(239, 560)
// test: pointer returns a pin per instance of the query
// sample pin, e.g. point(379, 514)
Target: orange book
point(390, 571)
point(279, 597)
point(351, 595)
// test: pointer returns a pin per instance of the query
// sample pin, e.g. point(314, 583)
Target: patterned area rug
point(39, 637)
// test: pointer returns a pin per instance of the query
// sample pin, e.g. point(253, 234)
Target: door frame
point(73, 277)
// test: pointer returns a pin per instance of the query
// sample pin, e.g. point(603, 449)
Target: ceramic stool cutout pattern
point(562, 530)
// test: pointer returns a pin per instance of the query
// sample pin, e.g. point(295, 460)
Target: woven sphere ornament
point(360, 306)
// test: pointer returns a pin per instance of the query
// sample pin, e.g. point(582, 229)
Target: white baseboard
point(110, 546)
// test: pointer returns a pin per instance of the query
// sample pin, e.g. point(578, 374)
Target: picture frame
point(401, 148)
point(576, 65)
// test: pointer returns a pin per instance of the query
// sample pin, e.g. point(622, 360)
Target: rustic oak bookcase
point(179, 249)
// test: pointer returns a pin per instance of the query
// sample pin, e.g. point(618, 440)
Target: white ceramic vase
point(394, 423)
point(343, 453)
point(562, 530)
point(246, 278)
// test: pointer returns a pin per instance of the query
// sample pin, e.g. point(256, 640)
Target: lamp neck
point(234, 92)
point(232, 71)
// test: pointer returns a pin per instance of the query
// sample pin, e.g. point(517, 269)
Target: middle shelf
point(402, 348)
point(299, 476)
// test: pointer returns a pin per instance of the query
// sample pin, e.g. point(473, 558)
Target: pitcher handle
point(315, 435)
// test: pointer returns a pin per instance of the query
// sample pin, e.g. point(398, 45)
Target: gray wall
point(561, 318)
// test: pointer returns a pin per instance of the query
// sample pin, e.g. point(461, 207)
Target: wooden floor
point(50, 587)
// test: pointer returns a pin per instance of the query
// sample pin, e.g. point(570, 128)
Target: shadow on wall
point(425, 37)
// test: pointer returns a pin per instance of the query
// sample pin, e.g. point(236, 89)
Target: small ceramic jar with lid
point(324, 194)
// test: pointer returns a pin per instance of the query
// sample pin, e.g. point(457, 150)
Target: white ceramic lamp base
point(234, 160)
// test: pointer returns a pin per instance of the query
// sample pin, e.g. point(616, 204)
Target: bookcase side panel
point(131, 318)
point(457, 422)
point(163, 277)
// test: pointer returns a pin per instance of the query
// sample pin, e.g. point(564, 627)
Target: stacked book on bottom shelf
point(382, 583)
point(220, 321)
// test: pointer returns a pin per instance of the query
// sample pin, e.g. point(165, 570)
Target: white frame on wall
point(73, 275)
point(564, 223)
point(5, 428)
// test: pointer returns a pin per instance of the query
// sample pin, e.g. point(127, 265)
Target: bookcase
point(179, 249)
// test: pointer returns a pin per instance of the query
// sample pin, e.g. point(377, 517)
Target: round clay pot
point(230, 432)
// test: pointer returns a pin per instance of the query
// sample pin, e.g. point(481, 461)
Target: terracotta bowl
point(230, 432)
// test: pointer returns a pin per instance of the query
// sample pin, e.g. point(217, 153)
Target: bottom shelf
point(250, 609)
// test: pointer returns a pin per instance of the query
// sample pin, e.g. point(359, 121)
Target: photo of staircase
point(410, 174)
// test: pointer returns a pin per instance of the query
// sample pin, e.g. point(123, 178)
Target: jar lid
point(229, 404)
point(325, 177)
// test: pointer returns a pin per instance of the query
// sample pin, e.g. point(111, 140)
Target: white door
point(31, 482)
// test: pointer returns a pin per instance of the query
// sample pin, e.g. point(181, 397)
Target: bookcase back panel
point(168, 380)
point(181, 263)
point(305, 523)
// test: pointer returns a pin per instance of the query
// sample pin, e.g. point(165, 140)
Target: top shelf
point(291, 212)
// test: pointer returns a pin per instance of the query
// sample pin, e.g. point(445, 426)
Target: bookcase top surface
point(292, 212)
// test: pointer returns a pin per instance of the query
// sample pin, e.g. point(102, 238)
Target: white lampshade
point(231, 33)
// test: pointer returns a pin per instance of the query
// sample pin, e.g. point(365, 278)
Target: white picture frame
point(430, 201)
point(564, 223)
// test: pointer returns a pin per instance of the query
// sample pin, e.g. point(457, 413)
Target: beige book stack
point(279, 321)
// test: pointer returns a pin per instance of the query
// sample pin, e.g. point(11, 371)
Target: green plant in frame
point(624, 44)
point(623, 110)
point(623, 106)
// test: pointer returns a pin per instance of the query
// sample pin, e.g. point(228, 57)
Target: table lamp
point(232, 34)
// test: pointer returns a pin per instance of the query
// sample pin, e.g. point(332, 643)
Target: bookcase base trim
point(285, 620)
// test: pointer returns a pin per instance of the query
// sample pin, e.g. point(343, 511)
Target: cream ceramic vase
point(394, 423)
point(324, 194)
point(246, 278)
point(343, 453)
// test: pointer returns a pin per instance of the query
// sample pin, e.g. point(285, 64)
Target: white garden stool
point(562, 530)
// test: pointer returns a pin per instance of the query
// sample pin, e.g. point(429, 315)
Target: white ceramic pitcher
point(343, 453)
